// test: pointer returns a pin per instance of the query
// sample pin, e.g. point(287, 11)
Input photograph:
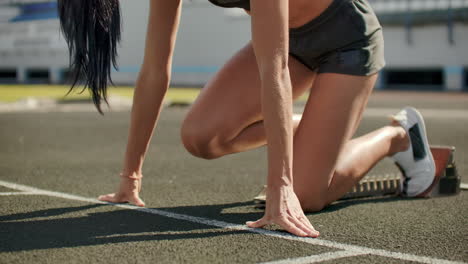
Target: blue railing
point(398, 6)
point(421, 11)
point(411, 13)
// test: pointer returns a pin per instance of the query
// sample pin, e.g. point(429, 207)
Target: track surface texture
point(61, 161)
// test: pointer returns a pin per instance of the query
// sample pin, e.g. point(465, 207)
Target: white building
point(426, 42)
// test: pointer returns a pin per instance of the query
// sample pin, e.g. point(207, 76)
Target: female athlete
point(332, 48)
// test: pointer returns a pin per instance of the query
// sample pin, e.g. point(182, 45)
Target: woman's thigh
point(231, 100)
point(331, 117)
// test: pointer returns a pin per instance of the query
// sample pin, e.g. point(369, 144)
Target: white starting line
point(17, 193)
point(344, 250)
point(317, 258)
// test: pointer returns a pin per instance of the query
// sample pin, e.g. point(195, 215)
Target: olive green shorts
point(346, 38)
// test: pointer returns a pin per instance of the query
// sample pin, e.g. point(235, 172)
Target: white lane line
point(231, 226)
point(317, 258)
point(17, 193)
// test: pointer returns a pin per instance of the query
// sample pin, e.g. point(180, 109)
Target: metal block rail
point(375, 186)
point(447, 181)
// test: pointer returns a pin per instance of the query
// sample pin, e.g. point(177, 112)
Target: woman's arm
point(270, 43)
point(270, 38)
point(153, 80)
point(152, 84)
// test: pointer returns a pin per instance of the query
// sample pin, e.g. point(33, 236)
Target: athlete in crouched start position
point(332, 48)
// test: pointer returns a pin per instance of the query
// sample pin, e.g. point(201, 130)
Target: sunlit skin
point(312, 161)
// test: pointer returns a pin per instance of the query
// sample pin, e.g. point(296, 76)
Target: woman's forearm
point(147, 102)
point(270, 41)
point(153, 81)
point(277, 111)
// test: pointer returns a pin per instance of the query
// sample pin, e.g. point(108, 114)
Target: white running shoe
point(416, 163)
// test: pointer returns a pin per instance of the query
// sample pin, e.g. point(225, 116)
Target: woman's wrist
point(276, 194)
point(280, 182)
point(279, 175)
point(131, 175)
point(277, 186)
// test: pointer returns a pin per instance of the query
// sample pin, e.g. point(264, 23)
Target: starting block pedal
point(447, 181)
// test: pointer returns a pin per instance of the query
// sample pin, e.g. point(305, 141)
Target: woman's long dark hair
point(92, 31)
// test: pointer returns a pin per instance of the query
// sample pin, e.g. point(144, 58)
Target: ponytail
point(92, 31)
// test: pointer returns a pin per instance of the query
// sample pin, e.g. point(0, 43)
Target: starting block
point(447, 181)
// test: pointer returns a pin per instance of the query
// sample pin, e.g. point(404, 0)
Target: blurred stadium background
point(426, 43)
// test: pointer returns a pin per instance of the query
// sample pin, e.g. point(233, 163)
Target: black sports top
point(245, 4)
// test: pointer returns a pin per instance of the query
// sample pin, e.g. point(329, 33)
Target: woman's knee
point(311, 201)
point(315, 199)
point(200, 141)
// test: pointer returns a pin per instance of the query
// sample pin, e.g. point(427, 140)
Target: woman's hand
point(283, 208)
point(129, 192)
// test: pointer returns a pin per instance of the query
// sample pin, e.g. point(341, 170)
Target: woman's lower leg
point(361, 154)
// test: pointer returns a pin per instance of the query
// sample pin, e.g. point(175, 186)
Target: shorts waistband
point(327, 13)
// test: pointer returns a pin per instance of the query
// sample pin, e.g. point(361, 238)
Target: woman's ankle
point(399, 141)
point(130, 185)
